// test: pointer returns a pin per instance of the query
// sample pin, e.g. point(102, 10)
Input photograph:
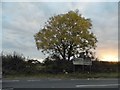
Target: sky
point(22, 20)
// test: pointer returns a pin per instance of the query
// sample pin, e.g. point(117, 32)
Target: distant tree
point(12, 63)
point(66, 35)
point(16, 63)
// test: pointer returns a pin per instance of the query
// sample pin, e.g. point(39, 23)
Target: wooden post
point(83, 68)
point(90, 68)
point(74, 68)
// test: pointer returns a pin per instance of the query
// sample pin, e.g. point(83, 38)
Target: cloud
point(19, 28)
point(22, 20)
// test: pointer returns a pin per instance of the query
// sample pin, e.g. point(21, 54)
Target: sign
point(81, 61)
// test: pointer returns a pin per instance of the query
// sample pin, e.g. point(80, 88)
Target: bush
point(16, 63)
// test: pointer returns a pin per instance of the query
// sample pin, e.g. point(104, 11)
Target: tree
point(66, 35)
point(13, 63)
point(53, 64)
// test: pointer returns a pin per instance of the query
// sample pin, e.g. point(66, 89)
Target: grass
point(63, 76)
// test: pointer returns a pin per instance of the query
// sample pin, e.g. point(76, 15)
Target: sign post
point(81, 61)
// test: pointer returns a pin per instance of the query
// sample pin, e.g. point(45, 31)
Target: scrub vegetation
point(17, 65)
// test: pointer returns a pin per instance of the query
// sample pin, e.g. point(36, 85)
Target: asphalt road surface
point(61, 83)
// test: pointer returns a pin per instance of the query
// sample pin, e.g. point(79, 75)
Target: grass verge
point(62, 76)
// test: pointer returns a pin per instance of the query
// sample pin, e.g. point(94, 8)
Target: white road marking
point(97, 85)
point(15, 80)
point(73, 79)
point(10, 80)
point(33, 80)
point(55, 79)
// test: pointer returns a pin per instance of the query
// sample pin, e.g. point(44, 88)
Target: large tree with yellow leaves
point(66, 35)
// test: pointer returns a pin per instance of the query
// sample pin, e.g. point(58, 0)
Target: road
point(60, 83)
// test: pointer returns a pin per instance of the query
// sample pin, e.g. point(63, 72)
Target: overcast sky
point(20, 21)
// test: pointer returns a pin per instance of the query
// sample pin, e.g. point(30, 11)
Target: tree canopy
point(66, 35)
